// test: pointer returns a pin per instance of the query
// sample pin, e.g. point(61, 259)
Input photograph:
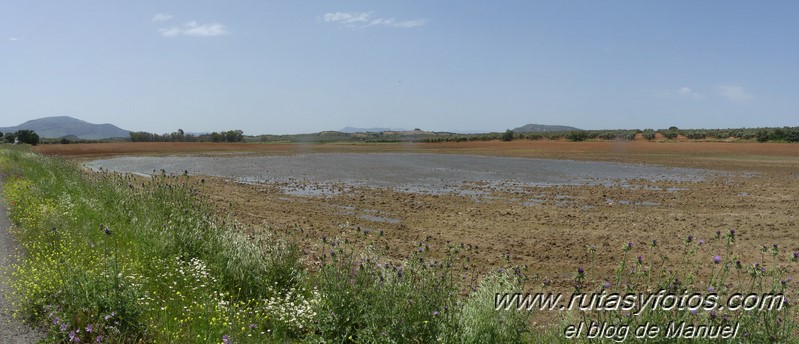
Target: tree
point(507, 136)
point(28, 136)
point(10, 137)
point(577, 136)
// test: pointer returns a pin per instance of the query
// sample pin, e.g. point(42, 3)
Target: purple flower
point(63, 327)
point(690, 238)
point(716, 259)
point(795, 255)
point(732, 232)
point(640, 259)
point(73, 337)
point(580, 270)
point(252, 326)
point(654, 242)
point(693, 311)
point(499, 270)
point(89, 328)
point(713, 314)
point(607, 285)
point(225, 339)
point(56, 321)
point(630, 245)
point(710, 289)
point(99, 339)
point(701, 241)
point(435, 313)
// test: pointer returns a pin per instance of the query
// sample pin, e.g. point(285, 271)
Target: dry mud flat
point(542, 213)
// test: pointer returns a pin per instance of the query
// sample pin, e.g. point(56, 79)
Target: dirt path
point(12, 330)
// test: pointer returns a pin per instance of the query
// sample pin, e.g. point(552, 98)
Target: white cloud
point(736, 94)
point(365, 19)
point(193, 29)
point(346, 18)
point(161, 17)
point(13, 39)
point(391, 22)
point(688, 92)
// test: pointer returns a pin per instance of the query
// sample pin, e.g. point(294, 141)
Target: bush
point(367, 301)
point(508, 135)
point(577, 135)
point(480, 322)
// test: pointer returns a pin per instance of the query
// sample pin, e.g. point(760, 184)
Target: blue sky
point(306, 66)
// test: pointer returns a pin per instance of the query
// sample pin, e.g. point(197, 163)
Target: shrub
point(367, 301)
point(508, 135)
point(480, 322)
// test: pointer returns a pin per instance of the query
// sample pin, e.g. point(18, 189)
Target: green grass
point(122, 260)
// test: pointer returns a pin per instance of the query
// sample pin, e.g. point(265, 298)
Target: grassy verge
point(115, 259)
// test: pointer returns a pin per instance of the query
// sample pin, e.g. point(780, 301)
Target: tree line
point(181, 136)
point(22, 136)
point(784, 134)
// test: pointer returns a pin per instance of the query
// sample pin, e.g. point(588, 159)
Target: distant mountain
point(540, 128)
point(351, 130)
point(61, 126)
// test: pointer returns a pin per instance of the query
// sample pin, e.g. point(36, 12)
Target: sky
point(283, 67)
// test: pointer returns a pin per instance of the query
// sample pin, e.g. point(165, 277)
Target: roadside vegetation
point(117, 259)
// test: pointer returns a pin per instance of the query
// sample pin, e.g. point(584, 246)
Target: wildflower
point(499, 270)
point(732, 233)
point(226, 339)
point(690, 238)
point(99, 339)
point(716, 259)
point(629, 245)
point(713, 314)
point(607, 285)
point(710, 289)
point(580, 271)
point(654, 243)
point(252, 326)
point(640, 259)
point(795, 256)
point(701, 242)
point(693, 311)
point(435, 313)
point(89, 328)
point(718, 234)
point(63, 327)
